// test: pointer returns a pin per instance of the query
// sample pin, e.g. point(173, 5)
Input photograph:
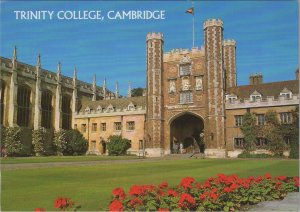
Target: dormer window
point(231, 98)
point(87, 109)
point(255, 96)
point(131, 106)
point(99, 109)
point(286, 93)
point(110, 108)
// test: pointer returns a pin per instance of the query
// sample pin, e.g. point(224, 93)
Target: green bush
point(118, 145)
point(39, 142)
point(2, 138)
point(76, 143)
point(60, 141)
point(262, 155)
point(12, 141)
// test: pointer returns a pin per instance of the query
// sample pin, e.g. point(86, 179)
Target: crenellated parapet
point(229, 42)
point(213, 22)
point(154, 35)
point(176, 54)
point(270, 101)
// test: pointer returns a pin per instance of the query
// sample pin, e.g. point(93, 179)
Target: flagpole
point(193, 25)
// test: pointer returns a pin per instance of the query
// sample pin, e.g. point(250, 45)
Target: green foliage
point(294, 135)
point(137, 92)
point(249, 155)
point(76, 143)
point(2, 128)
point(250, 131)
point(12, 141)
point(60, 141)
point(39, 142)
point(118, 145)
point(272, 131)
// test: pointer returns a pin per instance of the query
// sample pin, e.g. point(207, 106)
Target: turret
point(215, 133)
point(104, 88)
point(117, 91)
point(94, 88)
point(58, 74)
point(256, 79)
point(14, 59)
point(129, 89)
point(229, 47)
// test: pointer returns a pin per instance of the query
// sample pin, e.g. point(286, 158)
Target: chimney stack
point(256, 79)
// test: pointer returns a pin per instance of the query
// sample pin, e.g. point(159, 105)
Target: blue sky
point(266, 33)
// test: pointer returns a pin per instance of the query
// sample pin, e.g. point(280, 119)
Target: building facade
point(192, 101)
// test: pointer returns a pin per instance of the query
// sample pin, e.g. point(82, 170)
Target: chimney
point(256, 79)
point(297, 74)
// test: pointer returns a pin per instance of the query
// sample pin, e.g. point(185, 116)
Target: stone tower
point(154, 100)
point(215, 127)
point(229, 47)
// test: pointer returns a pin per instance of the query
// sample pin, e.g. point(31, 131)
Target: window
point(118, 126)
point(255, 97)
point(238, 120)
point(238, 143)
point(186, 97)
point(46, 104)
point(75, 126)
point(24, 109)
point(2, 101)
point(260, 119)
point(103, 126)
point(185, 69)
point(286, 95)
point(261, 142)
point(130, 125)
point(287, 140)
point(286, 118)
point(83, 128)
point(94, 127)
point(66, 112)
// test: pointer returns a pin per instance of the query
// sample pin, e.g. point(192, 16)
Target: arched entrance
point(186, 134)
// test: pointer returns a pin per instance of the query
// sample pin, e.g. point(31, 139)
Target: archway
point(186, 134)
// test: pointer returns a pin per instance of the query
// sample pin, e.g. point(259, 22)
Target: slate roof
point(119, 103)
point(265, 89)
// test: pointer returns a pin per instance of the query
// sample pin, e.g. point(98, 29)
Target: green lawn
point(91, 186)
point(19, 160)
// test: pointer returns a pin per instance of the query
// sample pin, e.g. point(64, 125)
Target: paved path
point(290, 203)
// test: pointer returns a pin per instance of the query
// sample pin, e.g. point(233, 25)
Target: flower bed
point(222, 193)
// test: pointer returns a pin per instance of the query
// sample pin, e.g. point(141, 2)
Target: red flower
point(258, 179)
point(161, 192)
point(164, 185)
point(136, 202)
point(278, 183)
point(163, 210)
point(214, 196)
point(39, 210)
point(296, 180)
point(187, 182)
point(268, 176)
point(186, 201)
point(198, 185)
point(63, 203)
point(207, 184)
point(282, 178)
point(137, 190)
point(227, 189)
point(204, 195)
point(116, 205)
point(119, 193)
point(234, 186)
point(172, 193)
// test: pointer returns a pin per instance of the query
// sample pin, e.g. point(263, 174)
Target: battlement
point(229, 42)
point(176, 54)
point(270, 101)
point(213, 22)
point(154, 35)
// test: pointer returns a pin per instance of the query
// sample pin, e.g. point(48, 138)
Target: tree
point(137, 92)
point(76, 143)
point(39, 142)
point(250, 131)
point(273, 133)
point(294, 134)
point(12, 141)
point(60, 141)
point(118, 145)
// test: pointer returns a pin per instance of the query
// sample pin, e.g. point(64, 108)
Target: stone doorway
point(186, 134)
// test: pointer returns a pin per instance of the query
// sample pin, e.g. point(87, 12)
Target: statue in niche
point(185, 84)
point(172, 86)
point(199, 83)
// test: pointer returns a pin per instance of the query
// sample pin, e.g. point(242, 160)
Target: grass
point(91, 186)
point(19, 160)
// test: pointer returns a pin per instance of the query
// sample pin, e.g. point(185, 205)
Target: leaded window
point(186, 97)
point(260, 119)
point(238, 120)
point(24, 109)
point(103, 126)
point(286, 118)
point(261, 142)
point(185, 69)
point(118, 126)
point(130, 125)
point(238, 143)
point(46, 104)
point(66, 112)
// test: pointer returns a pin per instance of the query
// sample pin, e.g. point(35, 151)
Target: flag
point(190, 10)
